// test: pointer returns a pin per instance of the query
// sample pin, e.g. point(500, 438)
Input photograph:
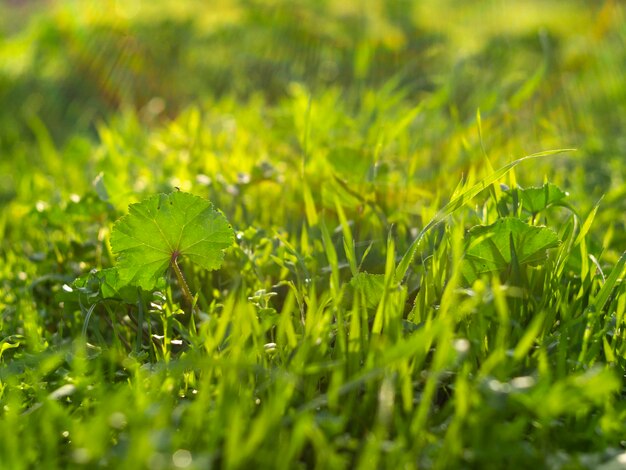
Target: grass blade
point(603, 296)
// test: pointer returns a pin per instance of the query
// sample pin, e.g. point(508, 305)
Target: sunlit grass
point(346, 327)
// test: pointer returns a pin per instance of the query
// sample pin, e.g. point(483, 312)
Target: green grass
point(352, 149)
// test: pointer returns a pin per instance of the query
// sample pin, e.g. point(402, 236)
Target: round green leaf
point(509, 240)
point(371, 286)
point(536, 199)
point(167, 227)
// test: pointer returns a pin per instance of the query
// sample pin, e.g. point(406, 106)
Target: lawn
point(312, 234)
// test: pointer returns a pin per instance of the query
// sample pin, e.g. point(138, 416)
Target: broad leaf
point(459, 201)
point(371, 286)
point(536, 199)
point(106, 284)
point(495, 247)
point(164, 228)
point(350, 163)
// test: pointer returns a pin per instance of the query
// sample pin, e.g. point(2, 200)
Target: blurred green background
point(290, 116)
point(549, 73)
point(82, 82)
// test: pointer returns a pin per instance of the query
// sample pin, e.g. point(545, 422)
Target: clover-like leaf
point(349, 163)
point(509, 240)
point(98, 285)
point(371, 286)
point(164, 228)
point(536, 199)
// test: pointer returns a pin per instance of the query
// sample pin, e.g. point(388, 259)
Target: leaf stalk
point(181, 280)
